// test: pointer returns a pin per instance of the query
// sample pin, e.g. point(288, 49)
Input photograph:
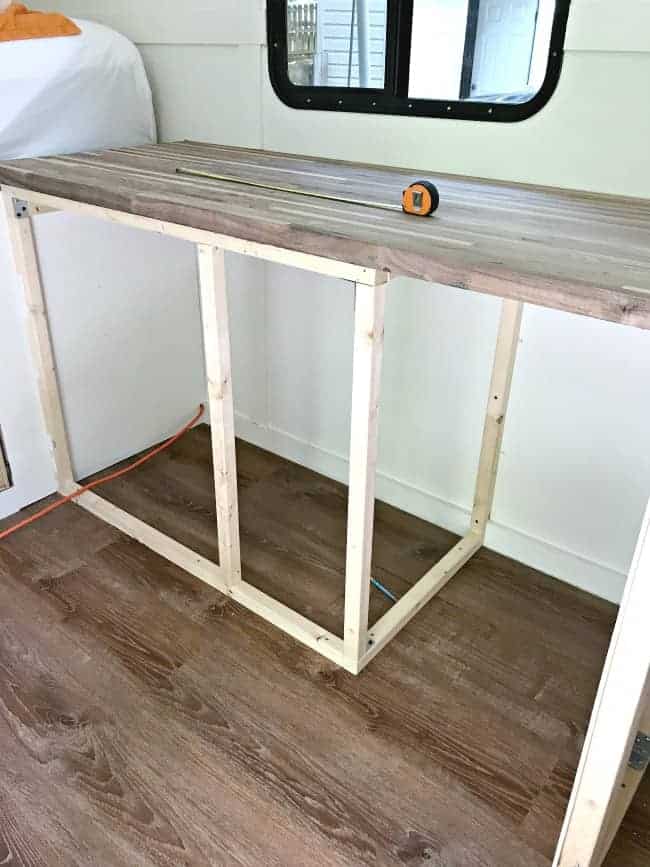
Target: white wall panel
point(576, 462)
point(247, 305)
point(609, 25)
point(437, 365)
point(206, 92)
point(129, 355)
point(156, 22)
point(309, 356)
point(592, 135)
point(594, 25)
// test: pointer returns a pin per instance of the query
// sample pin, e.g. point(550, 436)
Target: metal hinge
point(640, 756)
point(5, 476)
point(21, 208)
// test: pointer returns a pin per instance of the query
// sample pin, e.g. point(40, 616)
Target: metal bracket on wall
point(640, 756)
point(5, 477)
point(21, 208)
point(24, 209)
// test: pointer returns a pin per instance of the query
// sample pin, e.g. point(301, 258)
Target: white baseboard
point(573, 569)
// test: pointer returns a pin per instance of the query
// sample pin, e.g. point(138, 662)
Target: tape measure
point(420, 199)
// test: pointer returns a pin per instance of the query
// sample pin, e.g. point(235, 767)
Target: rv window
point(475, 59)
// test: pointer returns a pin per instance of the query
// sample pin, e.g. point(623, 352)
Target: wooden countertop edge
point(626, 306)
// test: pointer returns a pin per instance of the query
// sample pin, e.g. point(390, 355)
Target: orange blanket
point(18, 22)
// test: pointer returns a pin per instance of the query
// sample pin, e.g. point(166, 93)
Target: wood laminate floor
point(147, 720)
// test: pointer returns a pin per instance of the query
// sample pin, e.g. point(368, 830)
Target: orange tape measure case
point(420, 199)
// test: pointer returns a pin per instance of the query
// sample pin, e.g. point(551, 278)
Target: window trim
point(393, 98)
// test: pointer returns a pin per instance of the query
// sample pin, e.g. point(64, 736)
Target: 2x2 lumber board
point(308, 633)
point(23, 244)
point(573, 251)
point(318, 264)
point(37, 210)
point(216, 345)
point(619, 707)
point(294, 624)
point(369, 308)
point(182, 556)
point(495, 416)
point(628, 789)
point(417, 597)
point(4, 473)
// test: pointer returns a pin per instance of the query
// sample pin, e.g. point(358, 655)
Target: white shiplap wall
point(576, 469)
point(334, 40)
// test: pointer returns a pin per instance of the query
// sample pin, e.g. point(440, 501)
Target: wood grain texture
point(147, 720)
point(579, 252)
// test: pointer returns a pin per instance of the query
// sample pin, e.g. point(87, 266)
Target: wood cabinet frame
point(605, 782)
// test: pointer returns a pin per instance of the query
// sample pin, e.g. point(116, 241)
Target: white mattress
point(73, 93)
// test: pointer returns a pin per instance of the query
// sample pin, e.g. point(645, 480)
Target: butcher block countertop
point(578, 252)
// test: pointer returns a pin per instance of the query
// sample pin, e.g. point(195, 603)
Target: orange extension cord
point(109, 478)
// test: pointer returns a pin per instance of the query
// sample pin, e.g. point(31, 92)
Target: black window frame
point(393, 97)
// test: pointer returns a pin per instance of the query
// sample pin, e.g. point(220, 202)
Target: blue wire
point(384, 590)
